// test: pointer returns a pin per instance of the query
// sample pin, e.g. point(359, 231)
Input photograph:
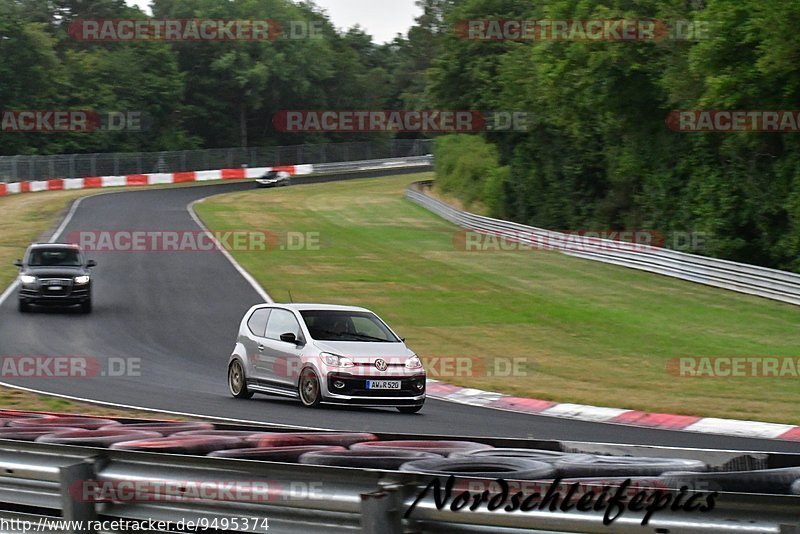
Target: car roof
point(299, 307)
point(55, 245)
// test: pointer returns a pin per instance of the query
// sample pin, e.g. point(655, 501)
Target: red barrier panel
point(228, 174)
point(55, 185)
point(92, 181)
point(179, 177)
point(284, 168)
point(3, 190)
point(136, 179)
point(24, 187)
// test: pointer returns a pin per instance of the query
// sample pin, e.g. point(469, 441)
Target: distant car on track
point(322, 353)
point(274, 179)
point(55, 274)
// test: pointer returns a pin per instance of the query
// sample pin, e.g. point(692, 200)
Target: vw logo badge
point(381, 365)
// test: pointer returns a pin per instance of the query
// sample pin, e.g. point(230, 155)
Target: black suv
point(55, 274)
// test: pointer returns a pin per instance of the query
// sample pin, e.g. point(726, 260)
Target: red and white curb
point(596, 414)
point(147, 179)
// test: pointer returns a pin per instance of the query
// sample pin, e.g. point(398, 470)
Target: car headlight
point(336, 361)
point(27, 279)
point(413, 363)
point(82, 280)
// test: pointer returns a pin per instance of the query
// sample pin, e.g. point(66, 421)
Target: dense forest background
point(598, 155)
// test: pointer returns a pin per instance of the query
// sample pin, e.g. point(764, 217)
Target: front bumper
point(355, 390)
point(66, 297)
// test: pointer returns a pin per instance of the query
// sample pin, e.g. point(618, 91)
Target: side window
point(282, 322)
point(258, 321)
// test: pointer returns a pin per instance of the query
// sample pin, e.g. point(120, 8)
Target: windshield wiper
point(368, 338)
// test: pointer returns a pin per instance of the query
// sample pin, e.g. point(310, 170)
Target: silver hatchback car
point(322, 353)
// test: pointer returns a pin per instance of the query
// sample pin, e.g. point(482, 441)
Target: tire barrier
point(30, 433)
point(88, 423)
point(443, 447)
point(11, 414)
point(378, 459)
point(539, 455)
point(590, 465)
point(275, 454)
point(507, 468)
point(96, 438)
point(288, 439)
point(180, 445)
point(168, 428)
point(241, 435)
point(774, 481)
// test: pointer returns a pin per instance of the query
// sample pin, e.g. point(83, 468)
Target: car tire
point(289, 439)
point(509, 468)
point(167, 428)
point(237, 382)
point(591, 465)
point(88, 423)
point(441, 447)
point(24, 307)
point(409, 409)
point(96, 438)
point(309, 389)
point(274, 454)
point(179, 445)
point(778, 481)
point(387, 460)
point(86, 307)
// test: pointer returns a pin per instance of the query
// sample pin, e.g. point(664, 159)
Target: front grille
point(357, 386)
point(65, 285)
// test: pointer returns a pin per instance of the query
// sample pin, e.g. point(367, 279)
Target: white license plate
point(383, 384)
point(55, 288)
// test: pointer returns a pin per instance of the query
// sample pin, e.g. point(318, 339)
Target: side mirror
point(91, 263)
point(289, 337)
point(18, 263)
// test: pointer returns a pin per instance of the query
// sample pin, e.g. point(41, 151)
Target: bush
point(468, 168)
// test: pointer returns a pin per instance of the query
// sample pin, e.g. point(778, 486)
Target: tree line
point(598, 152)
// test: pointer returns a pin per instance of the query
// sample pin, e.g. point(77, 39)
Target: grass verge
point(586, 332)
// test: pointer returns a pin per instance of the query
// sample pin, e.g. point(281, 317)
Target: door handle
point(261, 348)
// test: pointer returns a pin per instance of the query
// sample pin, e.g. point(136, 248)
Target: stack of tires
point(468, 460)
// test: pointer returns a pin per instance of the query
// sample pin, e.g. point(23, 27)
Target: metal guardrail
point(753, 280)
point(40, 480)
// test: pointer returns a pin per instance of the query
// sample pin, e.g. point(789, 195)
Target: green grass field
point(587, 332)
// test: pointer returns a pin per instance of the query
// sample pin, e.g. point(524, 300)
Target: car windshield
point(325, 325)
point(60, 257)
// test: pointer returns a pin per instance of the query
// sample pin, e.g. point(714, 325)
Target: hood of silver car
point(366, 351)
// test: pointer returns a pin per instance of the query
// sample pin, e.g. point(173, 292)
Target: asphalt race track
point(178, 312)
